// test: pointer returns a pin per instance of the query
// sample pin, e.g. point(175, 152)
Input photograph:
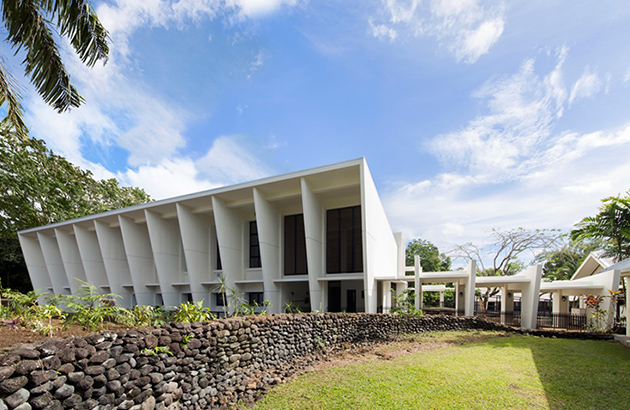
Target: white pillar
point(530, 294)
point(460, 298)
point(54, 263)
point(140, 258)
point(469, 291)
point(386, 287)
point(195, 233)
point(166, 247)
point(36, 265)
point(71, 259)
point(314, 230)
point(417, 269)
point(268, 222)
point(230, 237)
point(627, 305)
point(441, 298)
point(91, 257)
point(115, 261)
point(507, 304)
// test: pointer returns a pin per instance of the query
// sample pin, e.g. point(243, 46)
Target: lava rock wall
point(199, 365)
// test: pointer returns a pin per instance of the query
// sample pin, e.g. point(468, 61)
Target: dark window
point(294, 245)
point(219, 265)
point(187, 297)
point(257, 298)
point(254, 247)
point(344, 244)
point(220, 299)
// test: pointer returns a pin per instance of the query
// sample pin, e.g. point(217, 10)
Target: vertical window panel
point(344, 240)
point(294, 245)
point(254, 246)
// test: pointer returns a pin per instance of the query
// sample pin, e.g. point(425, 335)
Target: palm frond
point(15, 113)
point(77, 20)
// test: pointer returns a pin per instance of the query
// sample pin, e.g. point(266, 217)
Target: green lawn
point(470, 371)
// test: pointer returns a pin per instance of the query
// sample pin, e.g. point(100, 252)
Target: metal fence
point(568, 321)
point(507, 318)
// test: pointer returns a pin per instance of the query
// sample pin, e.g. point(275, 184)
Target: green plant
point(289, 307)
point(156, 351)
point(404, 303)
point(89, 309)
point(191, 312)
point(185, 340)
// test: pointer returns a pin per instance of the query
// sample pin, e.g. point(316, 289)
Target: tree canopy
point(40, 188)
point(431, 259)
point(561, 263)
point(611, 224)
point(34, 27)
point(501, 257)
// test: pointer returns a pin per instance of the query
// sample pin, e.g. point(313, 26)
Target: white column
point(530, 294)
point(386, 287)
point(441, 298)
point(166, 247)
point(54, 264)
point(230, 236)
point(140, 258)
point(36, 264)
point(417, 269)
point(460, 299)
point(71, 259)
point(469, 292)
point(115, 261)
point(507, 303)
point(314, 230)
point(91, 257)
point(627, 305)
point(268, 221)
point(195, 231)
point(401, 287)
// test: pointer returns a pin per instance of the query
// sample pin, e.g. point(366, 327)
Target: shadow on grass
point(575, 373)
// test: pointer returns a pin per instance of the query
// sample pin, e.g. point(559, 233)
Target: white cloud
point(586, 86)
point(226, 162)
point(382, 31)
point(510, 167)
point(256, 63)
point(167, 179)
point(467, 28)
point(229, 162)
point(522, 108)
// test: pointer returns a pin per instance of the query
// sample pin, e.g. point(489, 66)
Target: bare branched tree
point(501, 257)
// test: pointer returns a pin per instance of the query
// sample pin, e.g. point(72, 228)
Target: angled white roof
point(343, 173)
point(594, 263)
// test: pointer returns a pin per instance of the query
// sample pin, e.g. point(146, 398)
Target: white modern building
point(318, 239)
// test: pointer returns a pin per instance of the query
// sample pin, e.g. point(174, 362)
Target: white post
point(313, 229)
point(417, 282)
point(441, 298)
point(469, 296)
point(627, 305)
point(507, 304)
point(530, 294)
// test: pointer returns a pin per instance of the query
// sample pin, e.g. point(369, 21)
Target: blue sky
point(472, 115)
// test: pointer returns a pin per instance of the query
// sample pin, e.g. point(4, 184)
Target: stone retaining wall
point(215, 364)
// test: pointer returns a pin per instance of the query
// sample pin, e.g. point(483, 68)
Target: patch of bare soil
point(9, 337)
point(396, 348)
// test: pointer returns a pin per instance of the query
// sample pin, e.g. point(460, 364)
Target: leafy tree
point(504, 253)
point(34, 26)
point(611, 224)
point(561, 263)
point(41, 188)
point(431, 259)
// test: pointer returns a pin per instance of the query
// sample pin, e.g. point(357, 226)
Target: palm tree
point(30, 26)
point(612, 223)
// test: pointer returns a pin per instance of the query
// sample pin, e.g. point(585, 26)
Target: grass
point(461, 370)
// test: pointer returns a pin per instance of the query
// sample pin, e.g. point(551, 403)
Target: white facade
point(316, 238)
